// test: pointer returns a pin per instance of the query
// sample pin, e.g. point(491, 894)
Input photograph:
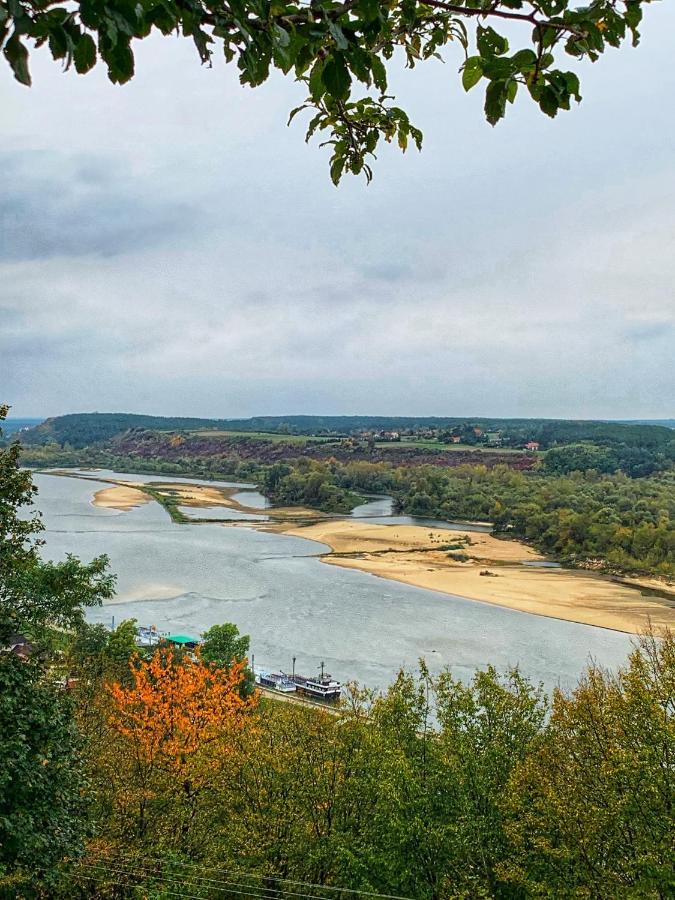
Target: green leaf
point(472, 72)
point(524, 60)
point(338, 35)
point(316, 87)
point(120, 62)
point(490, 43)
point(572, 83)
point(369, 9)
point(336, 169)
point(16, 55)
point(633, 14)
point(548, 102)
point(336, 77)
point(495, 101)
point(294, 112)
point(379, 73)
point(85, 54)
point(282, 37)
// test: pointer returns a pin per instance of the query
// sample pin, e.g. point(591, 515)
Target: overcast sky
point(172, 247)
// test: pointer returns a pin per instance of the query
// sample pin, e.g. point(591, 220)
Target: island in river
point(454, 561)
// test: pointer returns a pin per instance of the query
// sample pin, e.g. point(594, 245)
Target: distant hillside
point(665, 423)
point(80, 430)
point(85, 429)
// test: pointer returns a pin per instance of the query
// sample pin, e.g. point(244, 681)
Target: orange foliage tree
point(177, 724)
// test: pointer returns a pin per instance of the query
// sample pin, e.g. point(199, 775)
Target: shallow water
point(185, 578)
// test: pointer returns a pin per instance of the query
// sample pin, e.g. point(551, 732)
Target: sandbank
point(411, 554)
point(122, 497)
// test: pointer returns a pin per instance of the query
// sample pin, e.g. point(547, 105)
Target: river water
point(185, 578)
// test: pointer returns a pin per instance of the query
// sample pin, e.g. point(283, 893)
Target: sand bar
point(122, 497)
point(410, 554)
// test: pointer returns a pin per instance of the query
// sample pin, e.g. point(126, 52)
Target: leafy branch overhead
point(339, 50)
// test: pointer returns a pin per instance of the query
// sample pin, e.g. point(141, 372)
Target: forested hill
point(86, 429)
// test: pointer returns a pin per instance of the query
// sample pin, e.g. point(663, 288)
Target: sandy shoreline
point(410, 554)
point(125, 495)
point(432, 558)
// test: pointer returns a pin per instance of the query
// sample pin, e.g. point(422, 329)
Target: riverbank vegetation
point(602, 496)
point(584, 518)
point(125, 775)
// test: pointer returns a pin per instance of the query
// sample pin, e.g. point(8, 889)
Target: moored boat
point(277, 681)
point(324, 688)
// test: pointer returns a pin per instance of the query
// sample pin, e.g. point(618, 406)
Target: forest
point(130, 774)
point(584, 518)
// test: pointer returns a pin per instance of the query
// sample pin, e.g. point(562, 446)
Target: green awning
point(182, 639)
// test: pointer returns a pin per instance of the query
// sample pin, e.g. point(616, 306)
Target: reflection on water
point(253, 498)
point(380, 512)
point(186, 578)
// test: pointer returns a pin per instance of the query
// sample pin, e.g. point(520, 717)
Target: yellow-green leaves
point(472, 72)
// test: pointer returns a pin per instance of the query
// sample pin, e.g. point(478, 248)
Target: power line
point(262, 892)
point(149, 876)
point(123, 884)
point(307, 884)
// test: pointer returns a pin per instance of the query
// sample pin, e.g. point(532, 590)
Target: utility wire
point(124, 884)
point(262, 892)
point(307, 884)
point(101, 872)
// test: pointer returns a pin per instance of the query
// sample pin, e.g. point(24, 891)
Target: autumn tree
point(339, 50)
point(175, 725)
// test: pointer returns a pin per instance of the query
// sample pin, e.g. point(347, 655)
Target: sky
point(171, 247)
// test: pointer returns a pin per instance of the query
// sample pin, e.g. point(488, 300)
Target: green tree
point(594, 803)
point(580, 458)
point(339, 49)
point(42, 805)
point(222, 646)
point(41, 817)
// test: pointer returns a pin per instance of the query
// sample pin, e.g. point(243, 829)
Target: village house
point(532, 445)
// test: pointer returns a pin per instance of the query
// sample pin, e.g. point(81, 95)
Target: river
point(185, 578)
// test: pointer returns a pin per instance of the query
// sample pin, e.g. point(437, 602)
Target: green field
point(438, 445)
point(262, 436)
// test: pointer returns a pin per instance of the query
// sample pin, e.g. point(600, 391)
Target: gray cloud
point(59, 205)
point(184, 252)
